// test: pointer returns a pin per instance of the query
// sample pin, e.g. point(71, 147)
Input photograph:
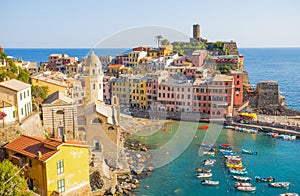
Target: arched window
point(218, 113)
point(96, 121)
point(111, 128)
point(59, 112)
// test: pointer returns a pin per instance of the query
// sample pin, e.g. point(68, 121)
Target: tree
point(11, 183)
point(39, 91)
point(165, 42)
point(158, 39)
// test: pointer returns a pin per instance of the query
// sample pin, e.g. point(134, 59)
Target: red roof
point(30, 145)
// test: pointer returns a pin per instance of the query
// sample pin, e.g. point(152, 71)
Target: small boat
point(229, 153)
point(238, 168)
point(232, 157)
point(279, 184)
point(253, 131)
point(225, 146)
point(237, 184)
point(206, 145)
point(242, 178)
point(269, 133)
point(249, 152)
point(229, 127)
point(264, 179)
point(210, 182)
point(203, 127)
point(204, 175)
point(209, 162)
point(246, 188)
point(209, 153)
point(288, 194)
point(274, 135)
point(231, 166)
point(203, 170)
point(225, 150)
point(233, 171)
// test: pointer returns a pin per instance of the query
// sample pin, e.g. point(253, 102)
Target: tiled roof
point(30, 145)
point(15, 85)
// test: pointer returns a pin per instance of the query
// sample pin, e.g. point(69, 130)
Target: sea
point(175, 172)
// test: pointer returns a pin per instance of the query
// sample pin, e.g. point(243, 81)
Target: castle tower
point(93, 77)
point(196, 32)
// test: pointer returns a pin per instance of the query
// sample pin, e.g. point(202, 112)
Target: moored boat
point(249, 152)
point(210, 182)
point(204, 175)
point(225, 146)
point(242, 178)
point(237, 184)
point(203, 170)
point(229, 153)
point(233, 171)
point(209, 162)
point(229, 127)
point(246, 188)
point(264, 179)
point(288, 194)
point(279, 184)
point(207, 145)
point(203, 127)
point(209, 153)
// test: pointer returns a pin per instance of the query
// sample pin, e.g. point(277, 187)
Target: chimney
point(64, 138)
point(39, 155)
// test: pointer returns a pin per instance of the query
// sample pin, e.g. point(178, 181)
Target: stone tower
point(196, 32)
point(93, 76)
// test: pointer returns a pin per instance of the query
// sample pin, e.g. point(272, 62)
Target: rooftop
point(15, 85)
point(30, 145)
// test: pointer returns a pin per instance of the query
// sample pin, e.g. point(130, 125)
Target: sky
point(125, 23)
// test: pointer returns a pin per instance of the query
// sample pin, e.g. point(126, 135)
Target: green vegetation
point(11, 71)
point(165, 42)
point(11, 183)
point(39, 91)
point(185, 48)
point(224, 69)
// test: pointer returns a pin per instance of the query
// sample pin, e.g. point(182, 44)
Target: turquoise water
point(276, 157)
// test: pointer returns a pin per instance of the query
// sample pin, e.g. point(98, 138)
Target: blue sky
point(84, 24)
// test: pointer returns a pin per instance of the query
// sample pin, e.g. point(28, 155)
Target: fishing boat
point(238, 168)
point(279, 184)
point(242, 178)
point(204, 175)
point(237, 184)
point(234, 165)
point(232, 157)
point(229, 127)
point(274, 135)
point(249, 152)
point(246, 188)
point(203, 170)
point(225, 146)
point(264, 179)
point(209, 162)
point(288, 194)
point(233, 171)
point(210, 182)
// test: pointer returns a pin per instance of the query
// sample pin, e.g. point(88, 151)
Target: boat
point(232, 157)
point(206, 145)
point(246, 188)
point(225, 150)
point(225, 146)
point(203, 127)
point(288, 194)
point(237, 184)
point(204, 175)
point(249, 152)
point(210, 182)
point(209, 153)
point(269, 133)
point(203, 170)
point(279, 184)
point(253, 131)
point(242, 178)
point(234, 165)
point(274, 135)
point(238, 168)
point(229, 153)
point(209, 162)
point(264, 179)
point(229, 127)
point(233, 171)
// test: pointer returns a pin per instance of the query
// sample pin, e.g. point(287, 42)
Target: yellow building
point(165, 50)
point(49, 81)
point(138, 91)
point(49, 165)
point(153, 53)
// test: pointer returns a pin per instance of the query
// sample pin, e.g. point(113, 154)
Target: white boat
point(204, 175)
point(229, 127)
point(288, 194)
point(279, 184)
point(246, 188)
point(237, 184)
point(209, 153)
point(242, 178)
point(210, 182)
point(209, 162)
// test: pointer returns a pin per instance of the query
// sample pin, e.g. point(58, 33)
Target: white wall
point(24, 104)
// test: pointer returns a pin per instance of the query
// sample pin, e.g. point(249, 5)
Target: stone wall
point(267, 94)
point(231, 47)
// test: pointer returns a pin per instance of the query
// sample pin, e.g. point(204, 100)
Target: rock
point(150, 169)
point(138, 155)
point(135, 181)
point(133, 186)
point(144, 148)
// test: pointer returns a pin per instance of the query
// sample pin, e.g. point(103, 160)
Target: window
point(60, 166)
point(61, 185)
point(24, 94)
point(30, 163)
point(94, 86)
point(237, 82)
point(21, 96)
point(14, 114)
point(22, 111)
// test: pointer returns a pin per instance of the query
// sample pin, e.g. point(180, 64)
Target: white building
point(18, 94)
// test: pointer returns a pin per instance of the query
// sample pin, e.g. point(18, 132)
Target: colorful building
point(134, 57)
point(238, 87)
point(18, 94)
point(49, 165)
point(198, 57)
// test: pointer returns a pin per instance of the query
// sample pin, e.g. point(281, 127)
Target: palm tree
point(158, 39)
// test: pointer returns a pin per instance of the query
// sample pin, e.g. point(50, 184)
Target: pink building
point(182, 61)
point(176, 94)
point(122, 59)
point(106, 89)
point(213, 97)
point(198, 57)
